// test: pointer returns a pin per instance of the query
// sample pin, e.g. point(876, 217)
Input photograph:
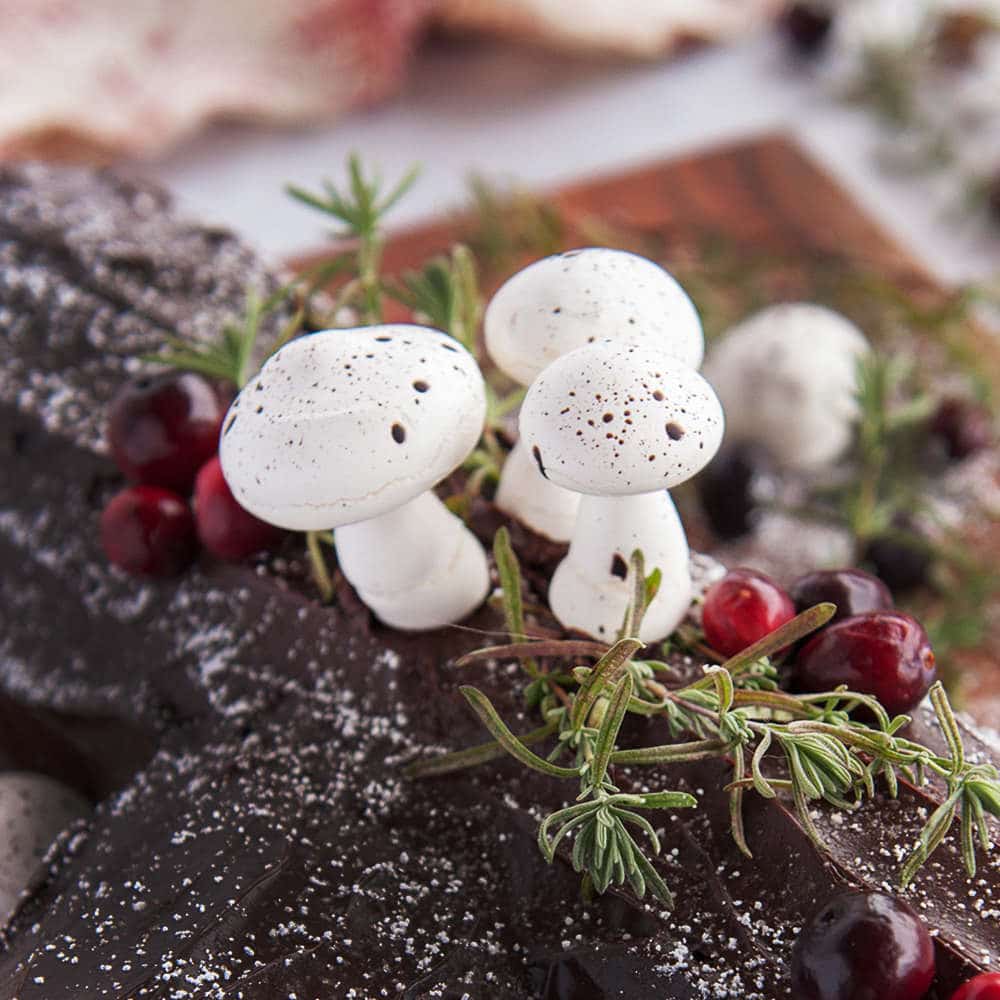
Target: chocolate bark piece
point(254, 833)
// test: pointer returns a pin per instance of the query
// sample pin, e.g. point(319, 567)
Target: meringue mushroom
point(787, 378)
point(621, 424)
point(350, 429)
point(563, 302)
point(34, 809)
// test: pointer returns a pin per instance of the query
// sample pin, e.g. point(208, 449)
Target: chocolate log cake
point(252, 834)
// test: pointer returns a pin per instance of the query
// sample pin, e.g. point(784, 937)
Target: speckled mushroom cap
point(563, 302)
point(611, 419)
point(344, 425)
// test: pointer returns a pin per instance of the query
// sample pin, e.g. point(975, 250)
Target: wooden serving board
point(742, 226)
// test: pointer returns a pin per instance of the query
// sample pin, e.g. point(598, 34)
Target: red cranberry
point(863, 946)
point(162, 430)
point(853, 591)
point(741, 608)
point(806, 25)
point(149, 531)
point(733, 485)
point(225, 528)
point(885, 654)
point(984, 987)
point(962, 426)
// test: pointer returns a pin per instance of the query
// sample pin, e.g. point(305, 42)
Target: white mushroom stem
point(590, 589)
point(417, 566)
point(524, 494)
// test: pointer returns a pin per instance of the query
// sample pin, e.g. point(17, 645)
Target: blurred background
point(226, 102)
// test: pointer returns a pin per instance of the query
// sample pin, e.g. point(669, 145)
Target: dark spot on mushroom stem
point(448, 347)
point(608, 417)
point(259, 387)
point(383, 340)
point(398, 433)
point(538, 459)
point(420, 385)
point(674, 431)
point(619, 567)
point(229, 426)
point(557, 310)
point(260, 409)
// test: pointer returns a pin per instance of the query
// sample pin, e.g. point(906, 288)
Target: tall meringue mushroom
point(350, 429)
point(563, 302)
point(620, 424)
point(787, 378)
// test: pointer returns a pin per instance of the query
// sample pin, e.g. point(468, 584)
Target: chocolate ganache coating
point(253, 836)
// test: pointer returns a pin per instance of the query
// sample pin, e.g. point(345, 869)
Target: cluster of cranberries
point(868, 645)
point(163, 434)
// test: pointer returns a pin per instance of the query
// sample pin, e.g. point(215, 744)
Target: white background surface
point(519, 114)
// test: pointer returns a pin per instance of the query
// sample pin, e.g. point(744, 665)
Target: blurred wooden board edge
point(769, 197)
point(763, 192)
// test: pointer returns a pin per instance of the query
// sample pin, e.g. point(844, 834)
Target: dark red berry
point(863, 946)
point(962, 426)
point(734, 485)
point(149, 531)
point(741, 608)
point(162, 430)
point(984, 987)
point(853, 591)
point(225, 528)
point(807, 26)
point(885, 654)
point(901, 559)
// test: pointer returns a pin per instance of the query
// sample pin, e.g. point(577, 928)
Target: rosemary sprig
point(231, 356)
point(446, 294)
point(361, 210)
point(807, 747)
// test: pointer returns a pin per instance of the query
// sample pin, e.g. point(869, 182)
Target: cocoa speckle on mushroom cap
point(612, 419)
point(347, 424)
point(566, 301)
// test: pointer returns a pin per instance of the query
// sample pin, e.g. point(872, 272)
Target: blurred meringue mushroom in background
point(787, 378)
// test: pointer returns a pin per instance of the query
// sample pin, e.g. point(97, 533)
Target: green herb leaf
point(462, 759)
point(608, 733)
point(491, 719)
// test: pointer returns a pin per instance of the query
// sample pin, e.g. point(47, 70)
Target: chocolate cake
point(253, 835)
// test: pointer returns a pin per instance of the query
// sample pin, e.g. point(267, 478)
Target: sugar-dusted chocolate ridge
point(253, 836)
